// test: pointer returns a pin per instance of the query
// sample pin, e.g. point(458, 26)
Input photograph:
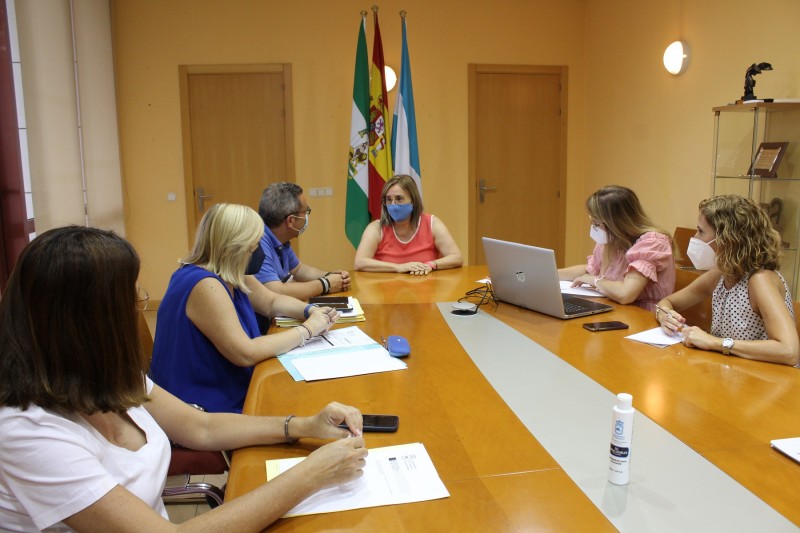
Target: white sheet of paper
point(578, 291)
point(655, 336)
point(346, 363)
point(392, 475)
point(336, 338)
point(790, 447)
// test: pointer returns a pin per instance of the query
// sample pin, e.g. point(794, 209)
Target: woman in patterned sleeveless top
point(752, 308)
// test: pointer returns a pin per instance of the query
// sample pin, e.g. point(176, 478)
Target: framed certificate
point(767, 158)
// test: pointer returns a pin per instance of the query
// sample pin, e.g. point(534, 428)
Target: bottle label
point(619, 451)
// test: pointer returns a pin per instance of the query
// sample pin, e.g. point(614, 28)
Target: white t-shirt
point(52, 466)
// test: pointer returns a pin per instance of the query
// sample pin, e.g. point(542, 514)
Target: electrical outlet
point(313, 192)
point(328, 191)
point(171, 196)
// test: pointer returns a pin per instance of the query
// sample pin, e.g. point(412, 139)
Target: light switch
point(171, 196)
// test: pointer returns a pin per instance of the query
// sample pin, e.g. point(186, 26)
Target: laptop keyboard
point(572, 308)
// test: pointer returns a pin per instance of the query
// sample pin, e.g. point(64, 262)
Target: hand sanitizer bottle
point(621, 435)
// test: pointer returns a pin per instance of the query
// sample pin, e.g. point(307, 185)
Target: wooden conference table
point(499, 477)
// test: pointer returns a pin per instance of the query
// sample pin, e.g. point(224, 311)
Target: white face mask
point(598, 235)
point(702, 255)
point(303, 229)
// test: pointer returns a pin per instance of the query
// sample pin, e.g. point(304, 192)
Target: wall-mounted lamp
point(390, 76)
point(676, 58)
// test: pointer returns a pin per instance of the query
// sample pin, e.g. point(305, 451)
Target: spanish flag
point(380, 158)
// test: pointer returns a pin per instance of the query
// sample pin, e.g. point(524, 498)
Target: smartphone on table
point(605, 326)
point(378, 423)
point(340, 303)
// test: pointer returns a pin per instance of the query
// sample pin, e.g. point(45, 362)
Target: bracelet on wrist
point(307, 310)
point(307, 330)
point(286, 429)
point(326, 285)
point(597, 280)
point(303, 338)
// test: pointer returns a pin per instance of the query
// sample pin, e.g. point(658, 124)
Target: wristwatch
point(727, 344)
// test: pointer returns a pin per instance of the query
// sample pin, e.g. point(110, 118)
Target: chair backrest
point(183, 460)
point(700, 314)
point(681, 238)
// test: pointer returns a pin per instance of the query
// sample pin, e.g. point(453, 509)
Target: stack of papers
point(339, 353)
point(347, 317)
point(392, 475)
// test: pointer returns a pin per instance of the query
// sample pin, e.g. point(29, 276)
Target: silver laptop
point(527, 276)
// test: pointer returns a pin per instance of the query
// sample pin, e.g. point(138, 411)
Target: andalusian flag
point(405, 150)
point(357, 209)
point(380, 158)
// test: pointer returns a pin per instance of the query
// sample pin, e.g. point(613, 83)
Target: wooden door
point(517, 135)
point(237, 134)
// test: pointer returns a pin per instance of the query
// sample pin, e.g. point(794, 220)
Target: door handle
point(482, 187)
point(201, 199)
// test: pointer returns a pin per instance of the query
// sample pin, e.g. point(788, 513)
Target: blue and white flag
point(405, 150)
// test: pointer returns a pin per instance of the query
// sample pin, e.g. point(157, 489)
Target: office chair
point(681, 238)
point(188, 462)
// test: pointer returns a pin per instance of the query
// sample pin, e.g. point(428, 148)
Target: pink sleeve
point(650, 254)
point(593, 261)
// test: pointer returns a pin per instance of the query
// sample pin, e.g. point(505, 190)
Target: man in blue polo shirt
point(285, 211)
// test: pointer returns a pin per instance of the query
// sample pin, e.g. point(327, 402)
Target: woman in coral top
point(405, 239)
point(633, 261)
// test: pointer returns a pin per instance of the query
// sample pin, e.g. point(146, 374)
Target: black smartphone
point(340, 303)
point(378, 423)
point(605, 326)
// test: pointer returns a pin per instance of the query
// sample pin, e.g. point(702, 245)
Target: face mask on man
point(598, 235)
point(702, 255)
point(256, 260)
point(400, 212)
point(301, 230)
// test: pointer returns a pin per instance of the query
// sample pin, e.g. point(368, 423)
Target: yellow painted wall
point(318, 37)
point(630, 122)
point(653, 132)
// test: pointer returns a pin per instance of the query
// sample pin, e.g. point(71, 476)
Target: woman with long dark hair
point(85, 434)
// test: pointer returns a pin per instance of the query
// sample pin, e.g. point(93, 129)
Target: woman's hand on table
point(415, 268)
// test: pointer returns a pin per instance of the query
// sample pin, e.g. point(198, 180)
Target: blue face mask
point(256, 260)
point(400, 212)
